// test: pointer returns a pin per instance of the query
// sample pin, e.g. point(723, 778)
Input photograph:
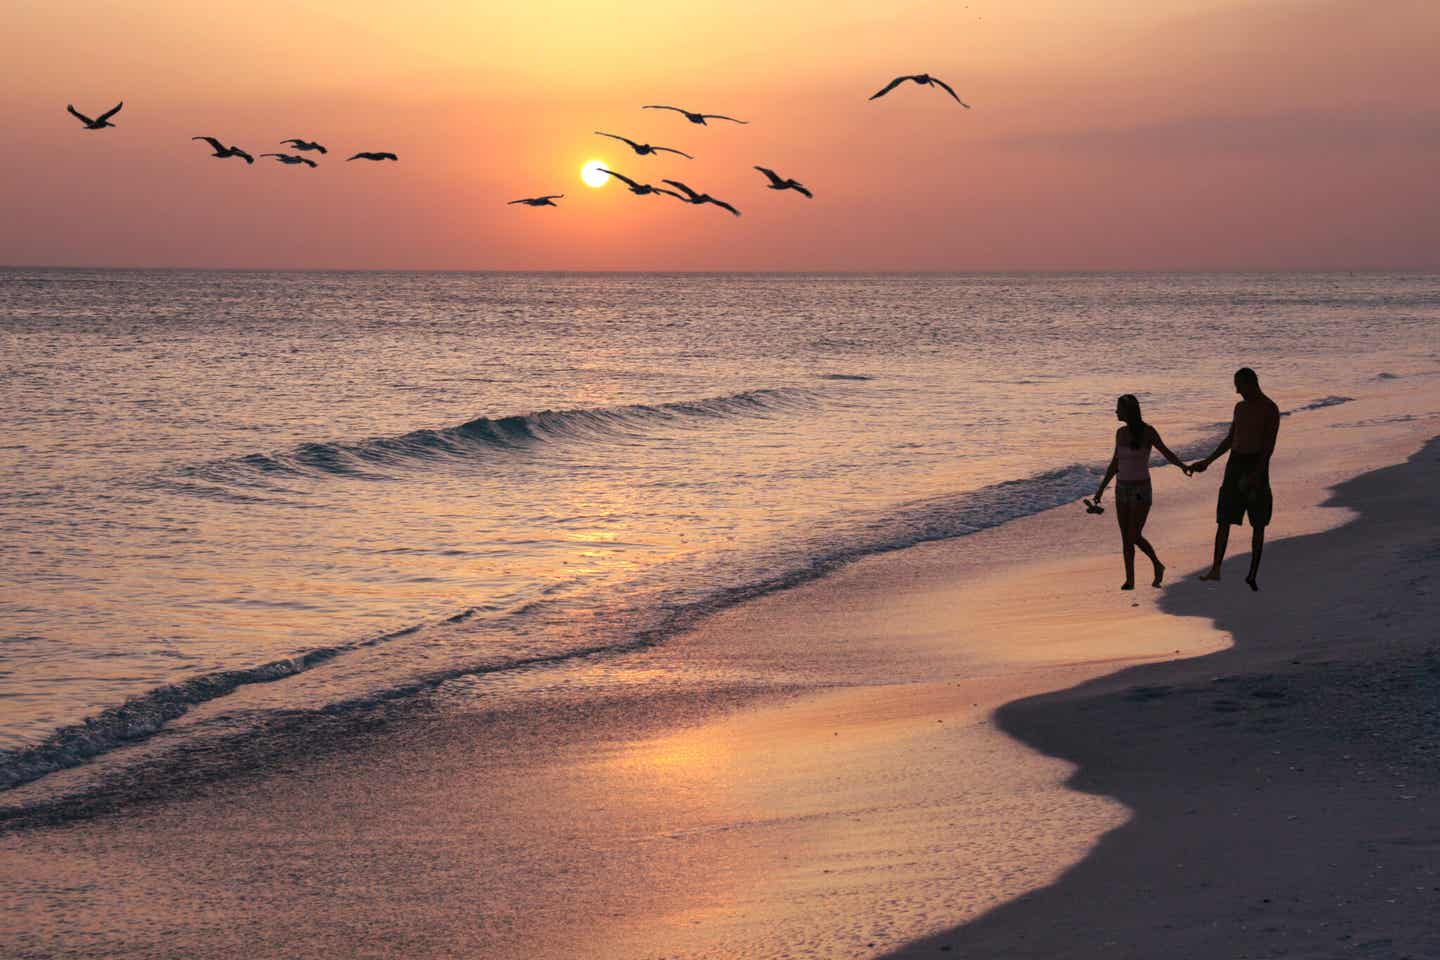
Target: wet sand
point(839, 782)
point(1285, 790)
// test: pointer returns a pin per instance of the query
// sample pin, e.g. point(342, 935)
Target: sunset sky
point(1105, 134)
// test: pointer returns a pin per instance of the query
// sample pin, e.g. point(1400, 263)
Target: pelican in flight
point(699, 118)
point(224, 152)
point(365, 155)
point(290, 159)
point(644, 148)
point(299, 144)
point(698, 198)
point(777, 183)
point(639, 189)
point(924, 79)
point(546, 201)
point(100, 122)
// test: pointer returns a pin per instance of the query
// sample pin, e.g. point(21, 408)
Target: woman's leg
point(1123, 509)
point(1138, 516)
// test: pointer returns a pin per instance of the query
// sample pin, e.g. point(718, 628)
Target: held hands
point(1197, 467)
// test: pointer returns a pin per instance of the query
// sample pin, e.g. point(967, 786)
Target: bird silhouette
point(100, 122)
point(778, 183)
point(698, 198)
point(639, 189)
point(699, 118)
point(290, 159)
point(644, 148)
point(924, 79)
point(299, 144)
point(224, 152)
point(373, 156)
point(545, 201)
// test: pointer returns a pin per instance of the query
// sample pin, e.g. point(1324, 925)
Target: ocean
point(391, 482)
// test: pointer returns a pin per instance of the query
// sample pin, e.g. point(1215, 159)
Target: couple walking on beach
point(1245, 489)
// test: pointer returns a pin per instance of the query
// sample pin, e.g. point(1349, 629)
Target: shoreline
point(742, 819)
point(1283, 789)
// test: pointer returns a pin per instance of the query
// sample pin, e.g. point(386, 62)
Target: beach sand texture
point(1219, 774)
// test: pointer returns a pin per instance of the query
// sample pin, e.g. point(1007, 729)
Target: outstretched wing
point(801, 188)
point(941, 83)
point(236, 151)
point(110, 113)
point(618, 176)
point(656, 106)
point(320, 148)
point(680, 186)
point(293, 141)
point(77, 113)
point(387, 156)
point(889, 86)
point(668, 193)
point(552, 196)
point(721, 116)
point(774, 177)
point(616, 136)
point(274, 154)
point(358, 156)
point(722, 203)
point(308, 161)
point(513, 202)
point(216, 144)
point(673, 150)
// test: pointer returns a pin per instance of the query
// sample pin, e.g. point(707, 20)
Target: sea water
point(390, 480)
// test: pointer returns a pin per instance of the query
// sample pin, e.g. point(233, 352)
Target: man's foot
point(1253, 585)
point(1211, 574)
point(1159, 574)
point(1128, 585)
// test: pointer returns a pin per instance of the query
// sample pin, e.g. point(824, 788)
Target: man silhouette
point(1246, 487)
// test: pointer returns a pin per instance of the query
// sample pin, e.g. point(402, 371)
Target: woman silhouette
point(1133, 443)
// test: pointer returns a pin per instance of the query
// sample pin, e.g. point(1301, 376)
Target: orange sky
point(1105, 134)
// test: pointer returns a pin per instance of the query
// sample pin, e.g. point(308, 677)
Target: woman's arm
point(1165, 451)
point(1109, 473)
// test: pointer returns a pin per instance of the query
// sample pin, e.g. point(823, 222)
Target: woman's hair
point(1130, 413)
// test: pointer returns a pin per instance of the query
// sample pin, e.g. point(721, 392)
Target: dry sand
point(1274, 796)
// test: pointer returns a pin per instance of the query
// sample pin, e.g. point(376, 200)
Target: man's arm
point(1200, 465)
point(1272, 431)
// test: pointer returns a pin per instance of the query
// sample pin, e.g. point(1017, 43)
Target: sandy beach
point(996, 753)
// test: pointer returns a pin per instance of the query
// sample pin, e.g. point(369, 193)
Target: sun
point(593, 173)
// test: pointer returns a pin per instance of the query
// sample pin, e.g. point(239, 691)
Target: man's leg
point(1222, 539)
point(1257, 546)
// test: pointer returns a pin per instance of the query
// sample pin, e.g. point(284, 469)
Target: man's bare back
point(1255, 425)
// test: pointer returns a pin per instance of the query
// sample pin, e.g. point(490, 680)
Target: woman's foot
point(1159, 574)
point(1253, 585)
point(1212, 574)
point(1128, 585)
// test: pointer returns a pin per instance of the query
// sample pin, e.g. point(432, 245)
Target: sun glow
point(593, 174)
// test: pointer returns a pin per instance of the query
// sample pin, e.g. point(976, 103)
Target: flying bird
point(644, 148)
point(699, 118)
point(373, 156)
point(639, 189)
point(290, 159)
point(924, 79)
point(777, 183)
point(224, 152)
point(100, 122)
point(698, 198)
point(545, 201)
point(299, 144)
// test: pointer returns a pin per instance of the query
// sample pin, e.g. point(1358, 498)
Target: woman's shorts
point(1137, 494)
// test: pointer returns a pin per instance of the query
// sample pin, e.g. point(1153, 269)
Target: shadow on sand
point(1283, 791)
